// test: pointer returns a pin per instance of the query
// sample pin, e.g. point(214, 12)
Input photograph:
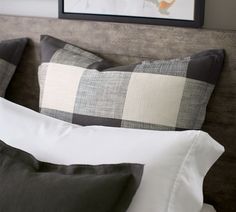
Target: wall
point(41, 8)
point(220, 14)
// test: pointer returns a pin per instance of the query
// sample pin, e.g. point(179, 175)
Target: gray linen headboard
point(129, 43)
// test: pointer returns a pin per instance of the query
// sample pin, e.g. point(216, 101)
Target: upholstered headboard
point(129, 43)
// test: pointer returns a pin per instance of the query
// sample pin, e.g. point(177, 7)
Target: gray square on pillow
point(193, 104)
point(174, 67)
point(102, 94)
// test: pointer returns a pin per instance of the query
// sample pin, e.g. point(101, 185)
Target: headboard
point(129, 43)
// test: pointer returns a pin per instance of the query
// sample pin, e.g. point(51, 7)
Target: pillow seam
point(176, 182)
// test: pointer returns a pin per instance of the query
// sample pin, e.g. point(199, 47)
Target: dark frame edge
point(197, 23)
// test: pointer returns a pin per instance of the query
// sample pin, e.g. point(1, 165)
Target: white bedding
point(208, 208)
point(175, 162)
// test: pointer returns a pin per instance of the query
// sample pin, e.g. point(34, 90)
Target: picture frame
point(67, 10)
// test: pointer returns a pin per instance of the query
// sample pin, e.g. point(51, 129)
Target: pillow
point(30, 185)
point(175, 162)
point(173, 94)
point(208, 208)
point(10, 55)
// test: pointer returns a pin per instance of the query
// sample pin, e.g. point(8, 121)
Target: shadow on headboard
point(129, 43)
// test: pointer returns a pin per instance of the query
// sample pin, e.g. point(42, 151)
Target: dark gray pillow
point(10, 55)
point(76, 86)
point(28, 185)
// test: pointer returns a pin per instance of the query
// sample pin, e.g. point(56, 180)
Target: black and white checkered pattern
point(10, 54)
point(78, 87)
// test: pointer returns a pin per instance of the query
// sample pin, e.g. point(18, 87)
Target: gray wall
point(220, 14)
point(42, 8)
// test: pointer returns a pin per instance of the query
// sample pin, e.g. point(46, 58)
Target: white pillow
point(208, 208)
point(175, 162)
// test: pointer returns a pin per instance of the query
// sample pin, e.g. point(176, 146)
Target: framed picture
point(185, 13)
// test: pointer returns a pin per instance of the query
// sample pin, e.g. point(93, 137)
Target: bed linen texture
point(175, 162)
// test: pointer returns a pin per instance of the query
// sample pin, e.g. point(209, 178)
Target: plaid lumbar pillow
point(78, 87)
point(10, 55)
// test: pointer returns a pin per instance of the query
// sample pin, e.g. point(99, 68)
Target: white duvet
point(175, 162)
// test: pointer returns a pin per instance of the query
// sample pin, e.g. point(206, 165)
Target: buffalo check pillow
point(79, 87)
point(10, 55)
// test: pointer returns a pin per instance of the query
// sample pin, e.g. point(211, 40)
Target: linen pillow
point(29, 185)
point(173, 94)
point(175, 162)
point(10, 55)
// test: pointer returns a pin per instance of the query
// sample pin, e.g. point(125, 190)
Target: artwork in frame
point(185, 13)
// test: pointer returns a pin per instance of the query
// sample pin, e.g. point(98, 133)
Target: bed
point(129, 43)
